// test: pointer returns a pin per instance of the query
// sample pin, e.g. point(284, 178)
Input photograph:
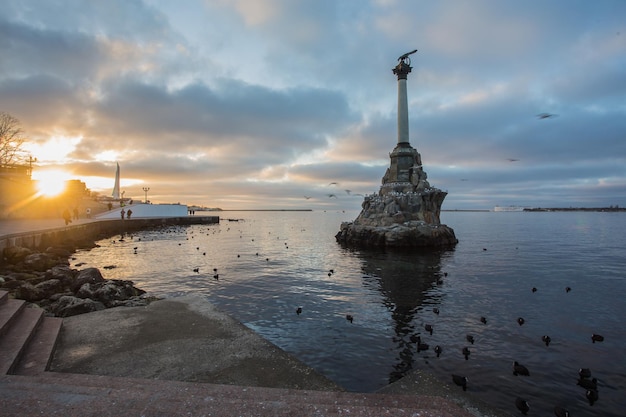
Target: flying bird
point(545, 115)
point(348, 191)
point(332, 183)
point(307, 197)
point(332, 195)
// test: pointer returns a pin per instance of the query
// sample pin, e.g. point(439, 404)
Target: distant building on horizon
point(116, 186)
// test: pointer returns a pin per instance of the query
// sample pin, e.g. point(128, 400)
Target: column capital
point(402, 70)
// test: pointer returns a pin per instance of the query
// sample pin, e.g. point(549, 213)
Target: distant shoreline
point(264, 210)
point(547, 209)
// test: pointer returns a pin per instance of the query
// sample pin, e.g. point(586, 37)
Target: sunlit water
point(270, 263)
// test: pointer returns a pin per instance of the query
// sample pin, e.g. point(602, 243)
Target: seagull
point(512, 159)
point(332, 183)
point(332, 195)
point(307, 197)
point(545, 115)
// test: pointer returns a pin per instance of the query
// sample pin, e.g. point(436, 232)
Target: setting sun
point(51, 183)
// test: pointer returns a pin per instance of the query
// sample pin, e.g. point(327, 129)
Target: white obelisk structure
point(116, 187)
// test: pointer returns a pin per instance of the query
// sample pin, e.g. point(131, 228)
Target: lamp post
point(145, 190)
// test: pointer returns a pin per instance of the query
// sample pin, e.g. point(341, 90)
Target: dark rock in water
point(89, 275)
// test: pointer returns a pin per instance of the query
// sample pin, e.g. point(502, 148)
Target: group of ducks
point(585, 380)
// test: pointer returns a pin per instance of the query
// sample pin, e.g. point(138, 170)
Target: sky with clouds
point(258, 103)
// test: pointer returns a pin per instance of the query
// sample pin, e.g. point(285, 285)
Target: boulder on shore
point(48, 281)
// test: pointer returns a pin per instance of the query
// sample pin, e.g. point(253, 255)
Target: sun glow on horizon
point(51, 182)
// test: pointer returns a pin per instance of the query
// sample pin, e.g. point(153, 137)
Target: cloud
point(261, 102)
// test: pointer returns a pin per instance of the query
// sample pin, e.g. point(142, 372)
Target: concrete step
point(85, 395)
point(9, 310)
point(38, 352)
point(15, 338)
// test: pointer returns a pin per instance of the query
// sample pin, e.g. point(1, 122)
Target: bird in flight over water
point(512, 159)
point(545, 115)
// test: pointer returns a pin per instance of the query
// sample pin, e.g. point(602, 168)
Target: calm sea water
point(270, 263)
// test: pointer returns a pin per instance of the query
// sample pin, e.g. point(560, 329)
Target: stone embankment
point(34, 267)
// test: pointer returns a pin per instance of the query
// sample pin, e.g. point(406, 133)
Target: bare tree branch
point(11, 139)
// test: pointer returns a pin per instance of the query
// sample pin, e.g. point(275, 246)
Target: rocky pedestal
point(404, 213)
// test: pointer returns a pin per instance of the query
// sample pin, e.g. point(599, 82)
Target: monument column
point(402, 70)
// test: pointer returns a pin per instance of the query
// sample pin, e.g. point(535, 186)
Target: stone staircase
point(27, 342)
point(27, 337)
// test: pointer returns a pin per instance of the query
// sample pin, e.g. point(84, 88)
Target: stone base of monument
point(401, 215)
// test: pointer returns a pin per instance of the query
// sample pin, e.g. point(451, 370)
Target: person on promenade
point(89, 212)
point(67, 217)
point(75, 213)
point(122, 213)
point(128, 213)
